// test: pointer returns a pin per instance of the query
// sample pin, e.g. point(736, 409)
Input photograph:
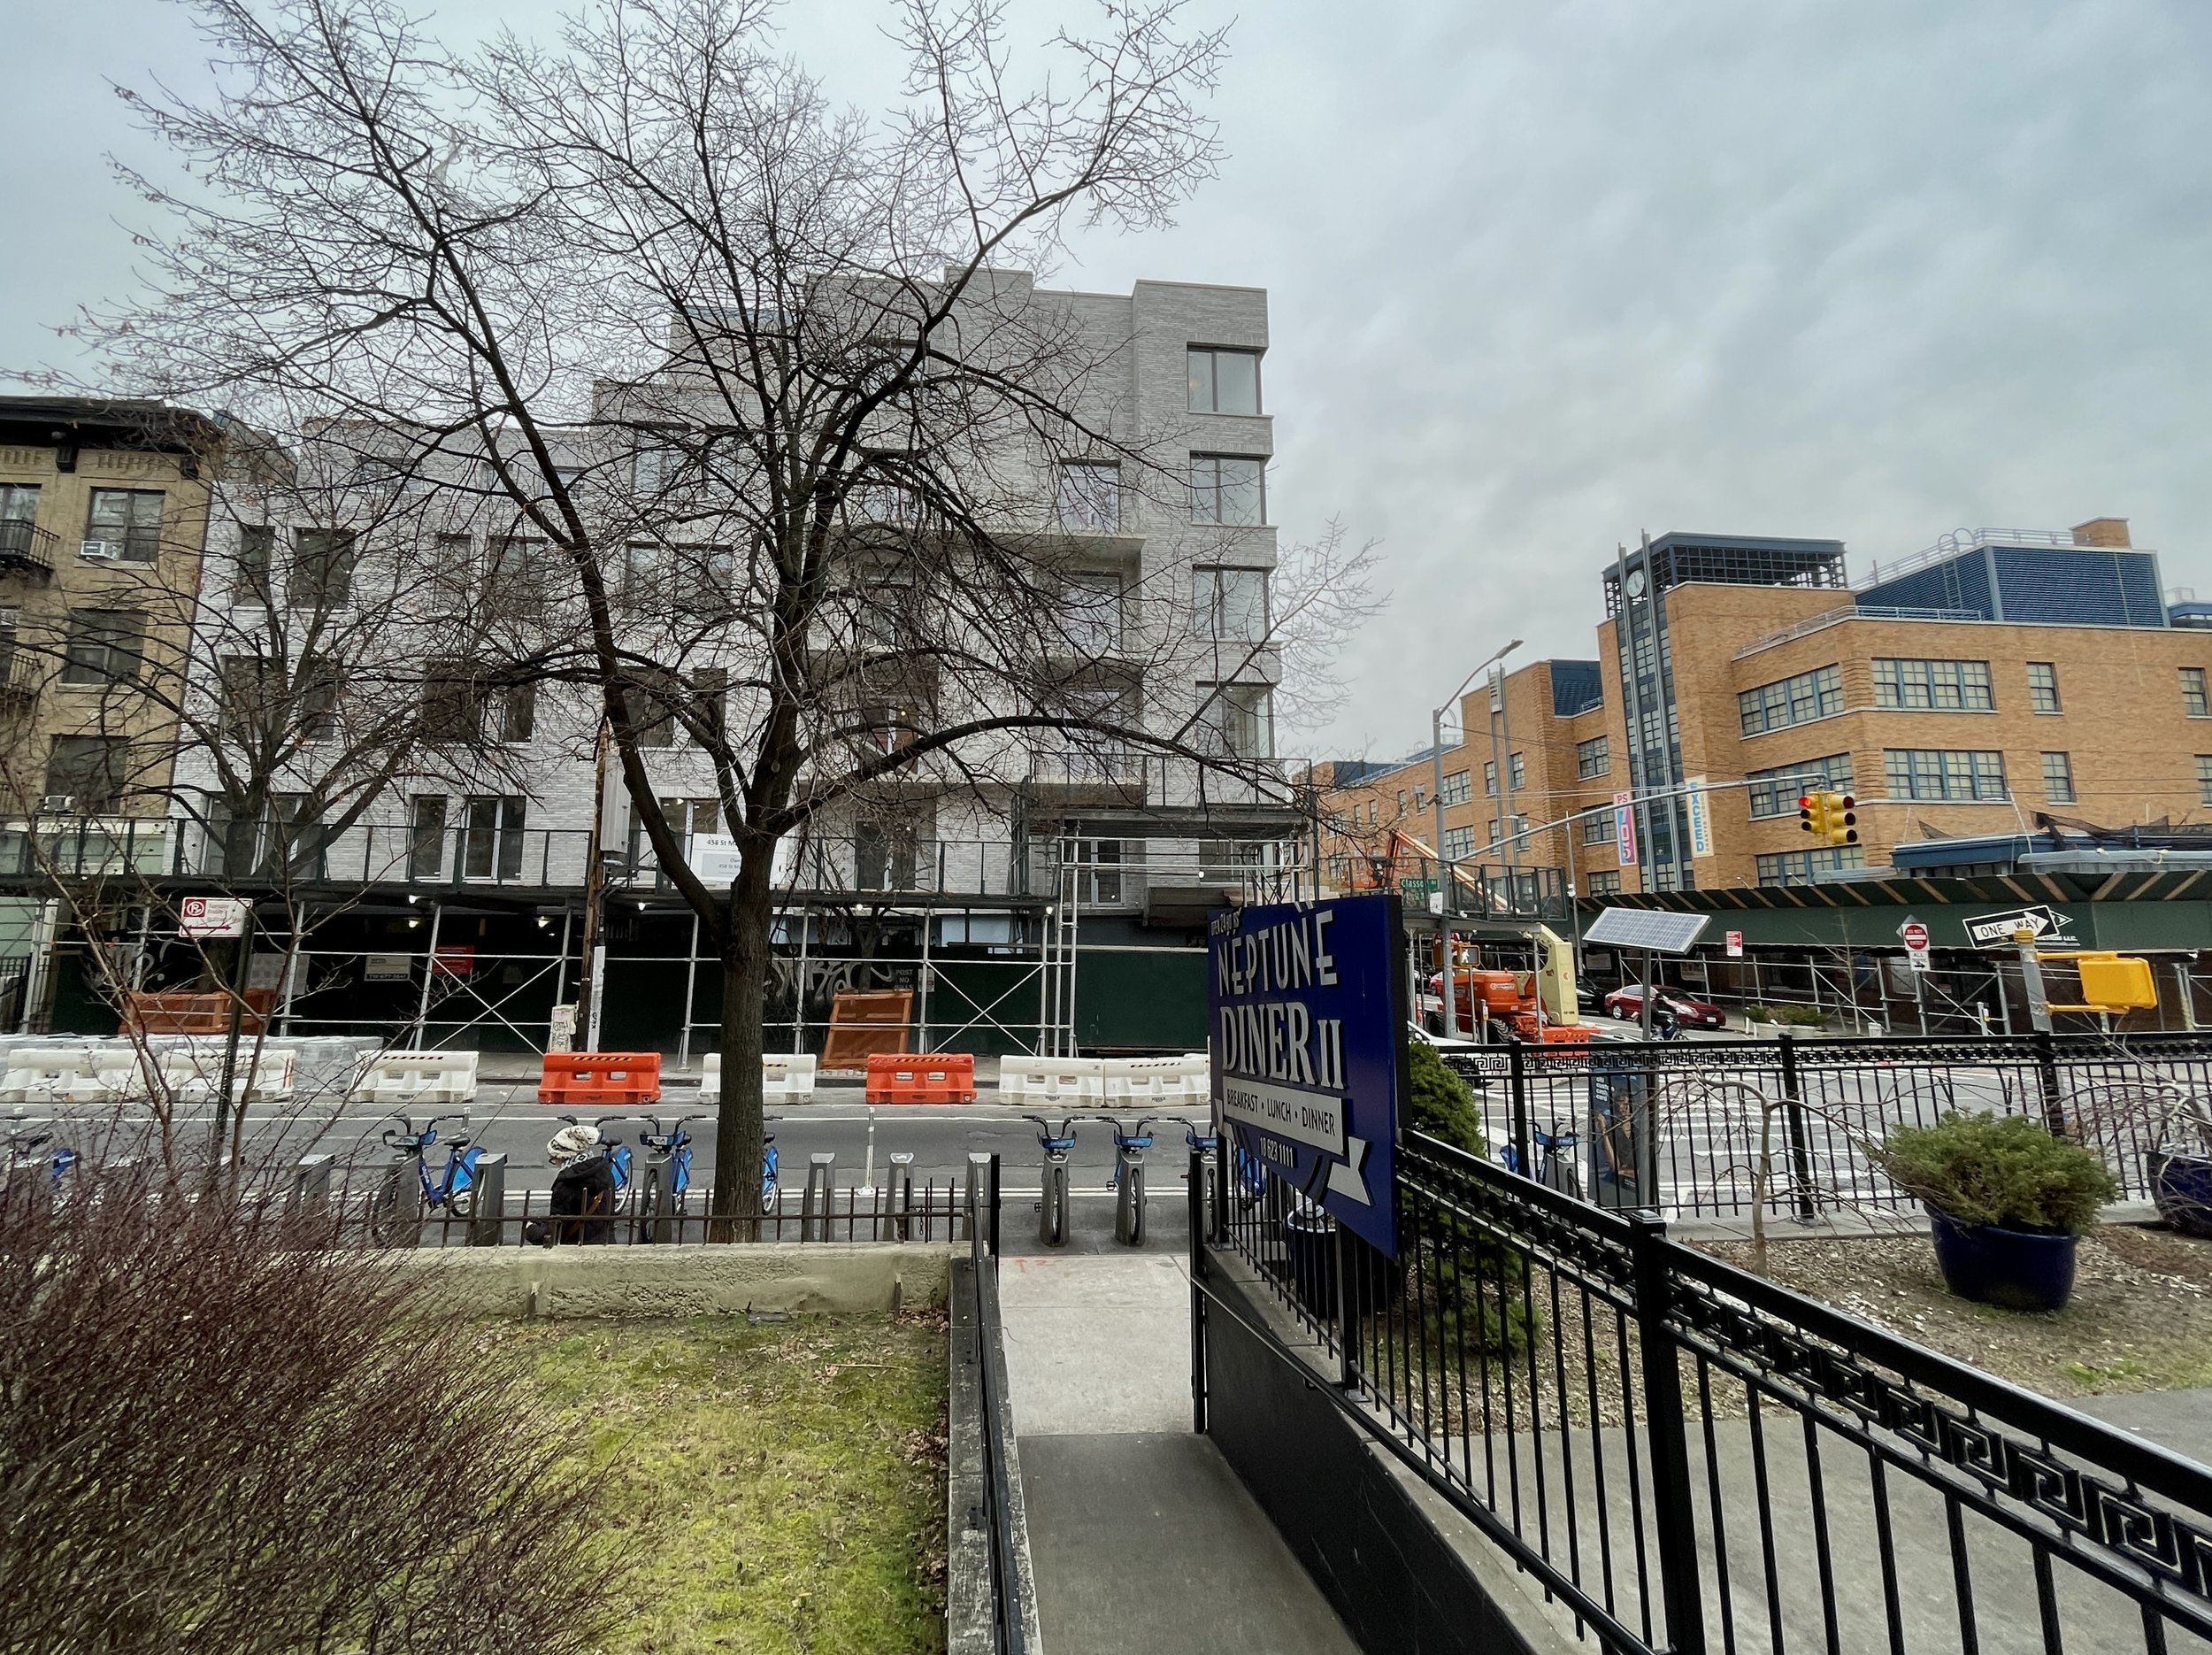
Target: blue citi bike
point(453, 1189)
point(665, 1186)
point(27, 1151)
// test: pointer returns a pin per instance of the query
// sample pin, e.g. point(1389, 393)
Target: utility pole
point(1505, 785)
point(595, 899)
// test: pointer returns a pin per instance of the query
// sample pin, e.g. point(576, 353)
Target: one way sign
point(1999, 930)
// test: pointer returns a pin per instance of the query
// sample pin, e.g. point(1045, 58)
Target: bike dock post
point(1129, 1193)
point(488, 1217)
point(1052, 1205)
point(899, 1195)
point(310, 1185)
point(821, 1183)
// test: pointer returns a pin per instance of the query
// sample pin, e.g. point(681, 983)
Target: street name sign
point(211, 916)
point(1306, 1028)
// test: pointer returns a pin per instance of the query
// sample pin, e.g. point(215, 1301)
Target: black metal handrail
point(1688, 1456)
point(1008, 1617)
point(24, 545)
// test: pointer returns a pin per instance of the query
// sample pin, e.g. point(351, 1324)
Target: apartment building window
point(2043, 687)
point(2058, 779)
point(1933, 686)
point(515, 575)
point(1087, 500)
point(1776, 792)
point(1243, 719)
point(126, 521)
point(1091, 612)
point(320, 682)
point(1598, 827)
point(1605, 882)
point(89, 771)
point(1224, 381)
point(426, 837)
point(518, 713)
point(1227, 489)
point(1516, 770)
point(1459, 843)
point(1454, 787)
point(2194, 701)
point(257, 563)
point(1936, 773)
point(1799, 868)
point(655, 467)
point(1592, 757)
point(1230, 605)
point(1795, 700)
point(1401, 810)
point(322, 569)
point(2204, 778)
point(19, 515)
point(452, 708)
point(106, 646)
point(491, 846)
point(1374, 813)
point(1490, 777)
point(10, 620)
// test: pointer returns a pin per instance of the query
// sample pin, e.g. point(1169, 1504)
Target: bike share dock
point(1140, 1535)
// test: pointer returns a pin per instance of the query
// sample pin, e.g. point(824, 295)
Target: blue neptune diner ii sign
point(1306, 1034)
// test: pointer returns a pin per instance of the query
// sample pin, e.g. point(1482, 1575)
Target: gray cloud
point(1543, 276)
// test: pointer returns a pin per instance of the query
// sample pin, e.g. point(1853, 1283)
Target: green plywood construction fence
point(1140, 999)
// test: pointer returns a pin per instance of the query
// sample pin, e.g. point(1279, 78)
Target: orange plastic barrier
point(600, 1077)
point(194, 1013)
point(939, 1077)
point(865, 1023)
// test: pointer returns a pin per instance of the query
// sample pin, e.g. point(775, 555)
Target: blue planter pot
point(2017, 1269)
point(2182, 1186)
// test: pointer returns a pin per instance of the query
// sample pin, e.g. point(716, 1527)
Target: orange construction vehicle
point(1537, 1005)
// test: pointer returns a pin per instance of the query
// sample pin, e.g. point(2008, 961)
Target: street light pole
point(1448, 995)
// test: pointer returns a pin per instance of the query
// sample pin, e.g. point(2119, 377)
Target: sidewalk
point(1141, 1536)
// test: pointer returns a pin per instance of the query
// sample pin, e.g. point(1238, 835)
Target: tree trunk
point(738, 1119)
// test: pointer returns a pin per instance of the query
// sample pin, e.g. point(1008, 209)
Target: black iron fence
point(1686, 1457)
point(1712, 1128)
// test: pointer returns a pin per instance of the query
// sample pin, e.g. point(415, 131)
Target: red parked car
point(1627, 1003)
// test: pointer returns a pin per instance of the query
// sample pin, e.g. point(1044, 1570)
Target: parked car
point(1589, 996)
point(1627, 1003)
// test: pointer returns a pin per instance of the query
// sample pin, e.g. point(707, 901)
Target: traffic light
point(1811, 807)
point(1842, 821)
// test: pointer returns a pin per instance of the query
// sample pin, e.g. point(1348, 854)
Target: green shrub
point(2005, 1170)
point(1441, 1103)
point(1477, 1286)
point(1795, 1016)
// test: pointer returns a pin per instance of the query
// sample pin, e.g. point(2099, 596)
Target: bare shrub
point(217, 1432)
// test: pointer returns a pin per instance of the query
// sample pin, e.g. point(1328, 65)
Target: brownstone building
point(1999, 674)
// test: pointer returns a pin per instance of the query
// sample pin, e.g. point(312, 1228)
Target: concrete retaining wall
point(686, 1280)
point(1402, 1569)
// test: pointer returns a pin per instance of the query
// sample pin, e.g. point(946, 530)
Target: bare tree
point(754, 371)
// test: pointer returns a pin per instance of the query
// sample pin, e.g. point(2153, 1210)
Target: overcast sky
point(1543, 276)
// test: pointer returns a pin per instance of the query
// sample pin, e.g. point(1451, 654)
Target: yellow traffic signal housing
point(1841, 821)
point(1812, 810)
point(2117, 982)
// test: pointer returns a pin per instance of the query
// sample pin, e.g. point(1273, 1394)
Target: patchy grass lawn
point(781, 1485)
point(2140, 1318)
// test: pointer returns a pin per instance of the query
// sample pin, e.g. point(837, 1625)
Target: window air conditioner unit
point(96, 548)
point(58, 804)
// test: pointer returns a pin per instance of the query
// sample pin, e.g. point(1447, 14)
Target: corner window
point(1230, 604)
point(1088, 499)
point(1243, 722)
point(1224, 381)
point(124, 523)
point(2042, 687)
point(1592, 757)
point(1227, 489)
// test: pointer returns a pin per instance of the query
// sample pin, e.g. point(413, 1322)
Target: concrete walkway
point(1141, 1536)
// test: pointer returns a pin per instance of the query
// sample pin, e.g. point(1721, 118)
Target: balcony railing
point(26, 547)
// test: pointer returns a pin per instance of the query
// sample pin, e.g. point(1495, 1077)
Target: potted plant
point(2008, 1200)
point(2181, 1167)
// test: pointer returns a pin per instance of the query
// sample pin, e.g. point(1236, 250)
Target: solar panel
point(1654, 930)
